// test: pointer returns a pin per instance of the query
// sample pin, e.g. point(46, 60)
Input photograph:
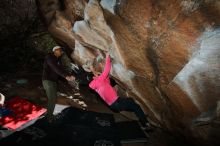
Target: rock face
point(166, 54)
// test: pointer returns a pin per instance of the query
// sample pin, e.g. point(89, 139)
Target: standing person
point(101, 84)
point(52, 69)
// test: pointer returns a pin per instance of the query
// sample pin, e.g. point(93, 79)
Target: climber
point(52, 69)
point(101, 84)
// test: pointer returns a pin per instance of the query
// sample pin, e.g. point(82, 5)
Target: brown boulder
point(165, 54)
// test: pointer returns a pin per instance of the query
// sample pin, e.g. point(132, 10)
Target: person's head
point(95, 73)
point(96, 67)
point(57, 50)
point(93, 67)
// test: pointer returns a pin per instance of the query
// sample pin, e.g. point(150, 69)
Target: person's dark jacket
point(52, 68)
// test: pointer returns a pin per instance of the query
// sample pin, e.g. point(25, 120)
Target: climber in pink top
point(101, 84)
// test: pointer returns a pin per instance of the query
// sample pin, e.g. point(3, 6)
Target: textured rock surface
point(165, 54)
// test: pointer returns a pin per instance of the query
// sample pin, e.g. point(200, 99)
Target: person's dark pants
point(128, 104)
point(51, 91)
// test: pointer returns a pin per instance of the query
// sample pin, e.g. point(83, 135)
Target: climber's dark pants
point(128, 104)
point(51, 91)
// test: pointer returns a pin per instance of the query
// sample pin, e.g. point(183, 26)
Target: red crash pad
point(22, 112)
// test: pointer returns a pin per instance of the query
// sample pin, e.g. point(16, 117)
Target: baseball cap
point(57, 47)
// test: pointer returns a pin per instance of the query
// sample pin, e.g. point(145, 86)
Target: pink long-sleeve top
point(102, 86)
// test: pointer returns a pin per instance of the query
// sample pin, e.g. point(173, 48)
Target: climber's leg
point(128, 104)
